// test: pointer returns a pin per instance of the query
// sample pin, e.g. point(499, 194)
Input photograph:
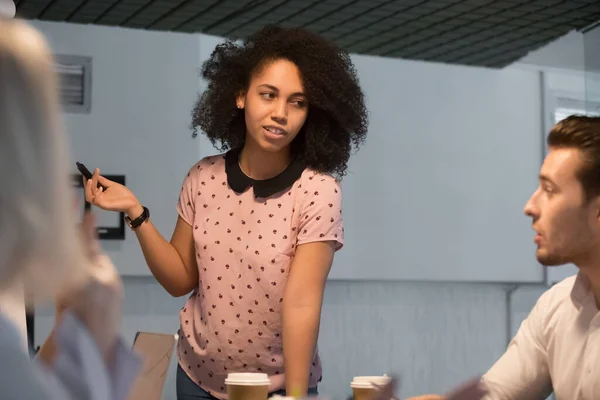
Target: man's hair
point(581, 133)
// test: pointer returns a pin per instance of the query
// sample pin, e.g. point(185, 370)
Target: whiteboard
point(437, 193)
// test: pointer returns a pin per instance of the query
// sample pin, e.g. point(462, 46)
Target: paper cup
point(364, 387)
point(247, 386)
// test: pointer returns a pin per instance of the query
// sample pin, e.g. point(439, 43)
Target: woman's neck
point(259, 164)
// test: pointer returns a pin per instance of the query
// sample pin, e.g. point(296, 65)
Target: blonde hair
point(39, 243)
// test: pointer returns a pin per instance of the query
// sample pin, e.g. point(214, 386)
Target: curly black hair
point(337, 117)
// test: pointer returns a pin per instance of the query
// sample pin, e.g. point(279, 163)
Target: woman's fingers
point(95, 178)
point(104, 181)
point(93, 194)
point(87, 188)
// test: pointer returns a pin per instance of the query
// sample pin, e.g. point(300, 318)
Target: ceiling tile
point(473, 32)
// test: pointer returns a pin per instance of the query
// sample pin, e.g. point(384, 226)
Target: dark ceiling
point(491, 33)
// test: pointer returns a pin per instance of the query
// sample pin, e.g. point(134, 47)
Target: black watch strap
point(139, 220)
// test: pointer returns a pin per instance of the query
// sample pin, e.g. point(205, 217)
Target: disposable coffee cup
point(365, 387)
point(247, 386)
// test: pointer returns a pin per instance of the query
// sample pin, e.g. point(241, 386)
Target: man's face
point(566, 224)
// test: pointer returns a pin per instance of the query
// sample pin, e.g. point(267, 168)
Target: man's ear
point(596, 209)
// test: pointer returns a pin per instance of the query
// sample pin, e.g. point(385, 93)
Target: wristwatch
point(139, 220)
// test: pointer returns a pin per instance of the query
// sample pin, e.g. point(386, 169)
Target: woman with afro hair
point(258, 225)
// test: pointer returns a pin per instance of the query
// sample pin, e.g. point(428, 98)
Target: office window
point(567, 107)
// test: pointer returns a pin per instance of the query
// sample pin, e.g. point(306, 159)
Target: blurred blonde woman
point(43, 249)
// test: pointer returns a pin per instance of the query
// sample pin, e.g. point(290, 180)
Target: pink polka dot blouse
point(245, 235)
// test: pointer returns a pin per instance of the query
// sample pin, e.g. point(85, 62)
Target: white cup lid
point(366, 382)
point(247, 379)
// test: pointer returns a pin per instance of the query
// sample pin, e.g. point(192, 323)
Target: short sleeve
point(321, 211)
point(186, 204)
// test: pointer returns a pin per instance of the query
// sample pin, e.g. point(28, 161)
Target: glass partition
point(591, 50)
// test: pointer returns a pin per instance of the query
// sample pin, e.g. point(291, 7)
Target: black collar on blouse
point(239, 181)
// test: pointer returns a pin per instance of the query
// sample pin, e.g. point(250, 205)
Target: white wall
point(143, 91)
point(427, 153)
point(438, 190)
point(575, 51)
point(566, 52)
point(435, 334)
point(591, 44)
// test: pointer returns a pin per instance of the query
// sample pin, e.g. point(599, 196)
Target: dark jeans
point(187, 389)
